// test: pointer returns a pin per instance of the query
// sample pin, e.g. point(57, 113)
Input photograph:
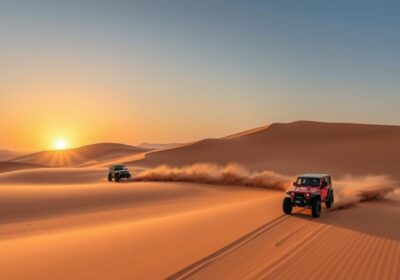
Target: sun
point(60, 144)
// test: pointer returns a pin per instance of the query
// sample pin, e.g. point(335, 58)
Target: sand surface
point(342, 244)
point(106, 230)
point(148, 230)
point(6, 166)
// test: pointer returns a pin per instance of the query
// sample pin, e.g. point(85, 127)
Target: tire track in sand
point(193, 268)
point(232, 252)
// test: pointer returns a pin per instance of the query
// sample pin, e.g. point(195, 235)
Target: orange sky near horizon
point(67, 99)
point(82, 115)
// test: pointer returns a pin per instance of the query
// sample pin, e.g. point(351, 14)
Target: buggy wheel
point(116, 178)
point(316, 208)
point(109, 178)
point(287, 205)
point(331, 199)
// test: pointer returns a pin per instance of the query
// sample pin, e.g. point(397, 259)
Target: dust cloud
point(209, 173)
point(351, 190)
point(348, 190)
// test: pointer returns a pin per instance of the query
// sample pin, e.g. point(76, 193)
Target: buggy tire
point(116, 178)
point(316, 208)
point(330, 200)
point(287, 206)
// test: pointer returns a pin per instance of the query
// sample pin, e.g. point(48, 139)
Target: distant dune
point(297, 147)
point(250, 131)
point(47, 176)
point(90, 154)
point(155, 146)
point(6, 166)
point(6, 154)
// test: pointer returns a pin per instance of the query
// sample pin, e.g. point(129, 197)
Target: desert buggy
point(310, 191)
point(117, 172)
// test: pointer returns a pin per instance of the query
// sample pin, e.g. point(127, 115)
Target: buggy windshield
point(119, 167)
point(313, 182)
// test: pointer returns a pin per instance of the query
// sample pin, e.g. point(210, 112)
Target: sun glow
point(60, 144)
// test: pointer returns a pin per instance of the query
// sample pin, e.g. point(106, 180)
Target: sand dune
point(110, 232)
point(156, 146)
point(341, 245)
point(46, 176)
point(299, 147)
point(6, 155)
point(86, 155)
point(6, 166)
point(246, 132)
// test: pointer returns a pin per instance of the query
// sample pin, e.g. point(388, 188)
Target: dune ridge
point(6, 154)
point(89, 154)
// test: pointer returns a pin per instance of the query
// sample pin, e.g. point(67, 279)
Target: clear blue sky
point(184, 70)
